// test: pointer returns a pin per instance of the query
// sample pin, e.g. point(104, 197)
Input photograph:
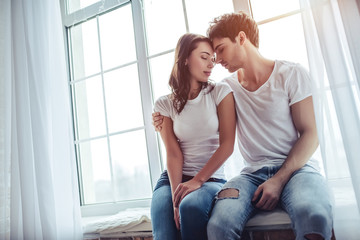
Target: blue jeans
point(306, 198)
point(194, 210)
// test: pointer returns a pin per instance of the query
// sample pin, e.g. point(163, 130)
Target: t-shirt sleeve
point(299, 85)
point(221, 90)
point(163, 105)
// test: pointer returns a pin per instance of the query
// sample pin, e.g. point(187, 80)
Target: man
point(277, 136)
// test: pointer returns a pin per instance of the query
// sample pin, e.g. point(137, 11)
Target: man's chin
point(232, 70)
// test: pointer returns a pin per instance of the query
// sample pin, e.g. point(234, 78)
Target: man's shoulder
point(286, 66)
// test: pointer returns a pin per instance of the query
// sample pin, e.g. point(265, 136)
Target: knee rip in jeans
point(228, 193)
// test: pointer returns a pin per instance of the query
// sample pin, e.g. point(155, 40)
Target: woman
point(198, 132)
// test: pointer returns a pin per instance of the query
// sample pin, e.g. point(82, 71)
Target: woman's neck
point(195, 88)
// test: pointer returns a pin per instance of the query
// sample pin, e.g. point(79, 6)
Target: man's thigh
point(307, 187)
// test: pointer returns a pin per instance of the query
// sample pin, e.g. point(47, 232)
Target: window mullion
point(145, 90)
point(185, 16)
point(105, 111)
point(242, 5)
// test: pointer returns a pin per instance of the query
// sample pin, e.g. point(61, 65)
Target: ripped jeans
point(306, 198)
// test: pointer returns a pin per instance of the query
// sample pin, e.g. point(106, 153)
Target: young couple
point(271, 106)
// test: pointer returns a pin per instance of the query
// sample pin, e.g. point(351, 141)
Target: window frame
point(154, 158)
point(143, 58)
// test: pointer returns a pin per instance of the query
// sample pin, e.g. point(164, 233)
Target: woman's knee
point(189, 208)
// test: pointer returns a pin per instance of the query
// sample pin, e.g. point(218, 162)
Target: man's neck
point(255, 73)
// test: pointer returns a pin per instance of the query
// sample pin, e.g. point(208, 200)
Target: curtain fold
point(5, 120)
point(350, 15)
point(332, 53)
point(41, 196)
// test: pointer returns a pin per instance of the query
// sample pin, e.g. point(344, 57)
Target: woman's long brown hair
point(179, 81)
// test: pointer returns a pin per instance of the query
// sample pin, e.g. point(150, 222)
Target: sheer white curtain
point(332, 39)
point(38, 183)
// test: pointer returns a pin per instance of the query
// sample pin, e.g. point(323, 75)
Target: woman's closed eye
point(205, 57)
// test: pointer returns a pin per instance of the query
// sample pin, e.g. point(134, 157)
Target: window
point(119, 63)
point(281, 30)
point(120, 55)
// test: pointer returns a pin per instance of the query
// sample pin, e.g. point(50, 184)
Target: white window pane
point(218, 73)
point(90, 112)
point(355, 90)
point(165, 24)
point(130, 164)
point(201, 12)
point(264, 9)
point(160, 73)
point(85, 49)
point(117, 37)
point(123, 100)
point(74, 5)
point(95, 171)
point(284, 39)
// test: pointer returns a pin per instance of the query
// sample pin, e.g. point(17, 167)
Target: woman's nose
point(211, 63)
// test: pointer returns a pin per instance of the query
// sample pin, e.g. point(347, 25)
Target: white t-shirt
point(265, 130)
point(197, 127)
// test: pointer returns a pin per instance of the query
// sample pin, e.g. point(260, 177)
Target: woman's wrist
point(199, 179)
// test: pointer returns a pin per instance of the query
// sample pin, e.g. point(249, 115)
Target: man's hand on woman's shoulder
point(157, 120)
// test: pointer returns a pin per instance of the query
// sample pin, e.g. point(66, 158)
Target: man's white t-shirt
point(197, 127)
point(265, 130)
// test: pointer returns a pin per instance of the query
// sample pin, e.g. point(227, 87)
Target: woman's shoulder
point(221, 85)
point(221, 90)
point(164, 105)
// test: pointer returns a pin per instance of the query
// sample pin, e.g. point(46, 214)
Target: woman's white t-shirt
point(197, 127)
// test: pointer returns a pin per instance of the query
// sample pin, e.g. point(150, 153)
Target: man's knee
point(228, 193)
point(318, 217)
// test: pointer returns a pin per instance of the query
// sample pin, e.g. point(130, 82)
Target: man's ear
point(242, 37)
